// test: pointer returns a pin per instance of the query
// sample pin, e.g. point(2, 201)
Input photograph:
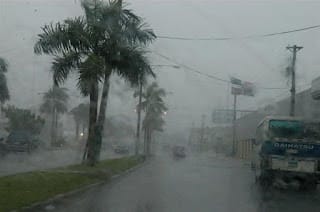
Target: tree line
point(109, 39)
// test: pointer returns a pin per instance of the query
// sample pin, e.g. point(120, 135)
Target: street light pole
point(137, 140)
point(234, 125)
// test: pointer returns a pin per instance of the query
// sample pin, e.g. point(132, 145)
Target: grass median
point(17, 191)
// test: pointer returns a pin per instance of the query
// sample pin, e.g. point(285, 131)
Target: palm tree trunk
point(52, 127)
point(89, 153)
point(84, 129)
point(77, 130)
point(137, 143)
point(1, 108)
point(56, 125)
point(102, 113)
point(145, 142)
point(148, 142)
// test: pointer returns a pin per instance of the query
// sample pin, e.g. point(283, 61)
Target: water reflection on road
point(203, 182)
point(288, 200)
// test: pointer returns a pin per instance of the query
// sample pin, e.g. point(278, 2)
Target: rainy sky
point(258, 60)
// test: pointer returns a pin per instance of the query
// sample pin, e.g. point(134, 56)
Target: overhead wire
point(237, 38)
point(190, 68)
point(209, 75)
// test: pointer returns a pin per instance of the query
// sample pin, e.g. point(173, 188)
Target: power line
point(208, 75)
point(237, 38)
point(267, 88)
point(190, 68)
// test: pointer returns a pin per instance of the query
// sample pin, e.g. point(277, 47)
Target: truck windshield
point(312, 130)
point(294, 129)
point(286, 129)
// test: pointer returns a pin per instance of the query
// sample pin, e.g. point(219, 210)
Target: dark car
point(179, 151)
point(121, 149)
point(19, 141)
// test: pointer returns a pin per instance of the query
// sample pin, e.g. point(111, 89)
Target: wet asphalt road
point(197, 183)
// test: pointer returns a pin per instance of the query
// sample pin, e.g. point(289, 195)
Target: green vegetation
point(80, 115)
point(23, 119)
point(108, 39)
point(55, 102)
point(24, 189)
point(4, 91)
point(155, 108)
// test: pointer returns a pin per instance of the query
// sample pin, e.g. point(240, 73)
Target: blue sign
point(281, 148)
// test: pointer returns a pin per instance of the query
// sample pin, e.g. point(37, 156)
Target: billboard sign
point(222, 116)
point(240, 87)
point(236, 91)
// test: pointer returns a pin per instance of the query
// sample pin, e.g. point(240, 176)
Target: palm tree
point(4, 91)
point(155, 108)
point(81, 117)
point(54, 103)
point(107, 40)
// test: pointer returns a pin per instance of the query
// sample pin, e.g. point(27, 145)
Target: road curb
point(79, 190)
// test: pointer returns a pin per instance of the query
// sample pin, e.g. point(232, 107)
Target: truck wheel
point(257, 174)
point(266, 179)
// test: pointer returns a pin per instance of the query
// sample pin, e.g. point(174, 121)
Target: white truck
point(289, 149)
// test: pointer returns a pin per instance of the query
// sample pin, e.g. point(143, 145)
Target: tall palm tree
point(155, 108)
point(55, 102)
point(81, 117)
point(4, 91)
point(108, 40)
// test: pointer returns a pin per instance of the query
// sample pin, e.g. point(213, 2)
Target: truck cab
point(287, 148)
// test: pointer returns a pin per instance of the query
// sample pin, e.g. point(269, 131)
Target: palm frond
point(154, 106)
point(3, 65)
point(4, 91)
point(63, 65)
point(81, 113)
point(133, 64)
point(90, 73)
point(91, 8)
point(71, 35)
point(55, 98)
point(46, 107)
point(137, 31)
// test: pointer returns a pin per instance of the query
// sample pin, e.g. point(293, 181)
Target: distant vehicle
point(121, 149)
point(179, 151)
point(287, 148)
point(19, 141)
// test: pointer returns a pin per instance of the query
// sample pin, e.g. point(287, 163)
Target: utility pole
point(139, 118)
point(53, 113)
point(190, 142)
point(234, 124)
point(294, 49)
point(202, 131)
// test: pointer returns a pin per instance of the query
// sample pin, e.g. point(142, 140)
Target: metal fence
point(244, 149)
